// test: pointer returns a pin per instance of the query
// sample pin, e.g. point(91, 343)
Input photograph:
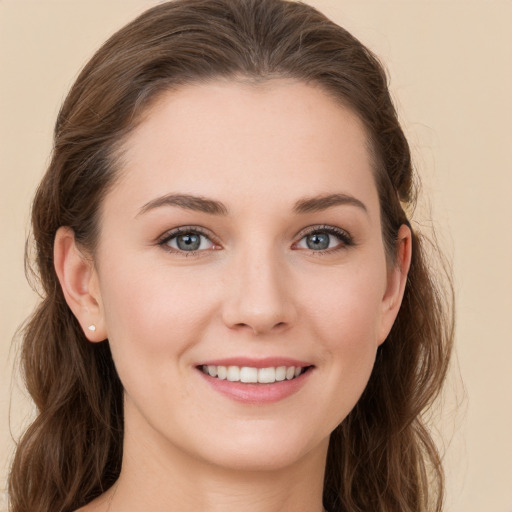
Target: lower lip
point(257, 393)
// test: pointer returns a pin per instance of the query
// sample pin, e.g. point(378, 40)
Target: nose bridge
point(257, 296)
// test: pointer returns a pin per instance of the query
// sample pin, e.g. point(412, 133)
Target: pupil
point(318, 241)
point(189, 242)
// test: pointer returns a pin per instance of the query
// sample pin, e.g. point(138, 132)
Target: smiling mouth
point(248, 374)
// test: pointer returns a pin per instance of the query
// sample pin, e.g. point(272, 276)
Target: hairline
point(150, 97)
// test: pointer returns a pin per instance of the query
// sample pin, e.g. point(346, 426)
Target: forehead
point(237, 139)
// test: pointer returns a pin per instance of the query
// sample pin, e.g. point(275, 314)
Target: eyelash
point(184, 230)
point(345, 238)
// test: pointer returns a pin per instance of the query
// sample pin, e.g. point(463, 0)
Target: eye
point(186, 240)
point(324, 239)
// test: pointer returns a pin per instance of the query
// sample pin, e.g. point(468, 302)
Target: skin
point(254, 290)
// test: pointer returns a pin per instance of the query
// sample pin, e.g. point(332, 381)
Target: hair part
point(382, 457)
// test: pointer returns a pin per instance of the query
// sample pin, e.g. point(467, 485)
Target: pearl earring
point(91, 327)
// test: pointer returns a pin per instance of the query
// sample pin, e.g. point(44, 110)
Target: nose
point(258, 295)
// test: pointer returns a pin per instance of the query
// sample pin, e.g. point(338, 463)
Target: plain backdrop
point(450, 67)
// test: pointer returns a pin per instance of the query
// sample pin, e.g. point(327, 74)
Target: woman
point(237, 311)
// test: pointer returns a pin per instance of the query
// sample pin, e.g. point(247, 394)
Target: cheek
point(347, 304)
point(152, 317)
point(346, 320)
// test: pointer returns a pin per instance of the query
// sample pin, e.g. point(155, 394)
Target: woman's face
point(244, 232)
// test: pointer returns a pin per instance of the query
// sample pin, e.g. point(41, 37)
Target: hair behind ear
point(385, 438)
point(78, 397)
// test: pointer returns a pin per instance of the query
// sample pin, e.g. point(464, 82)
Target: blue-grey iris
point(318, 241)
point(188, 242)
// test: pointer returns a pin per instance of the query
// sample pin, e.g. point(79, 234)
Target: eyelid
point(344, 236)
point(346, 240)
point(163, 239)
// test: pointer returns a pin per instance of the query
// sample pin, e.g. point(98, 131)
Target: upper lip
point(265, 362)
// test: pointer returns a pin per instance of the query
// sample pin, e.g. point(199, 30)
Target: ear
point(397, 279)
point(79, 281)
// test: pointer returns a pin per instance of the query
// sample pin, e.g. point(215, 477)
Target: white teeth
point(222, 372)
point(249, 374)
point(233, 373)
point(280, 373)
point(266, 375)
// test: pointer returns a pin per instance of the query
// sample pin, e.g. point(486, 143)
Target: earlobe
point(397, 279)
point(79, 283)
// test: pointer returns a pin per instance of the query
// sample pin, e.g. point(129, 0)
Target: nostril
point(260, 329)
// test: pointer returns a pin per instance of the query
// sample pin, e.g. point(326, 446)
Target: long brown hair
point(382, 457)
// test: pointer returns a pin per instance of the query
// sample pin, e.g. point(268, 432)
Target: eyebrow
point(213, 207)
point(323, 202)
point(187, 201)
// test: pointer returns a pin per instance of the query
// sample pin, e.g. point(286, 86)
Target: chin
point(256, 451)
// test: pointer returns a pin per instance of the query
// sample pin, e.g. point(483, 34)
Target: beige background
point(450, 64)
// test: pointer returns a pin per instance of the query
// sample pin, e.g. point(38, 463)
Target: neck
point(159, 477)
